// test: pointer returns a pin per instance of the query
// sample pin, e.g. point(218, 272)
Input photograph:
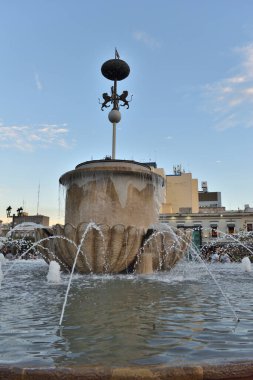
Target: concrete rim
point(75, 174)
point(112, 162)
point(225, 371)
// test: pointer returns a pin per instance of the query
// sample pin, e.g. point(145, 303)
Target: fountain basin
point(176, 319)
point(112, 192)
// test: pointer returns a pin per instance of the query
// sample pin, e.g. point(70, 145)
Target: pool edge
point(225, 371)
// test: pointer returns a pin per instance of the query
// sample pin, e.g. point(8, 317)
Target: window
point(214, 233)
point(249, 227)
point(231, 229)
point(214, 227)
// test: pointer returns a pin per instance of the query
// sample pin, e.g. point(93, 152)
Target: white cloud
point(228, 122)
point(227, 90)
point(38, 82)
point(247, 52)
point(248, 91)
point(29, 137)
point(237, 79)
point(146, 39)
point(234, 102)
point(231, 98)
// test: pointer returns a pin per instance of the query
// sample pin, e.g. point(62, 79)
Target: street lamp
point(8, 212)
point(20, 211)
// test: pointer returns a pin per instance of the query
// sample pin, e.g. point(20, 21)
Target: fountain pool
point(174, 318)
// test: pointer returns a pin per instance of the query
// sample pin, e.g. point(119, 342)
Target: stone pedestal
point(145, 266)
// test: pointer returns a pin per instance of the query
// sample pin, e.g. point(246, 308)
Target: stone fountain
point(115, 203)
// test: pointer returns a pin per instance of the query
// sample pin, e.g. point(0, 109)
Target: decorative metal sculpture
point(123, 98)
point(115, 69)
point(107, 99)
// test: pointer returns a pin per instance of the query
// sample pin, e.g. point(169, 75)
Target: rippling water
point(169, 318)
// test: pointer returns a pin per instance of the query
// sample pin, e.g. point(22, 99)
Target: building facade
point(181, 191)
point(202, 211)
point(25, 218)
point(212, 224)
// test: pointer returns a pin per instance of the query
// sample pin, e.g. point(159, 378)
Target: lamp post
point(9, 215)
point(20, 211)
point(8, 211)
point(116, 70)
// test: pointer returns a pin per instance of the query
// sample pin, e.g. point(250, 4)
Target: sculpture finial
point(117, 54)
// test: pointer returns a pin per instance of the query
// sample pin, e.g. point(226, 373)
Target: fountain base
point(116, 249)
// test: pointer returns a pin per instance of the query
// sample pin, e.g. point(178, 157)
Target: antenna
point(38, 201)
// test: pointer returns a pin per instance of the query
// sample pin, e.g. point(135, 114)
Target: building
point(181, 191)
point(23, 225)
point(211, 224)
point(202, 211)
point(209, 198)
point(25, 218)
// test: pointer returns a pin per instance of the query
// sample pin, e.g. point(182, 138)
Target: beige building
point(186, 207)
point(181, 192)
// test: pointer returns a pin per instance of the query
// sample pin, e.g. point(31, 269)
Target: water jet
point(246, 264)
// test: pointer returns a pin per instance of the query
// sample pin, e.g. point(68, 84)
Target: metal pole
point(115, 100)
point(113, 140)
point(38, 202)
point(115, 107)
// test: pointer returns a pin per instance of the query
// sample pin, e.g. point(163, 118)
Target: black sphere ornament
point(115, 69)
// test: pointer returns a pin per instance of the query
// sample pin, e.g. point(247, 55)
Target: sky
point(191, 79)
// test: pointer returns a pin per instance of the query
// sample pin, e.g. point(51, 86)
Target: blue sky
point(191, 79)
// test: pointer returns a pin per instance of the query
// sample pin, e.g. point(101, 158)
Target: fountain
point(135, 310)
point(122, 199)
